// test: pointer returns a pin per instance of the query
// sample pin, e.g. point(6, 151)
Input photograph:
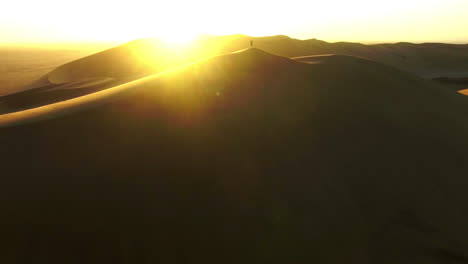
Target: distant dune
point(246, 157)
point(145, 57)
point(429, 60)
point(23, 68)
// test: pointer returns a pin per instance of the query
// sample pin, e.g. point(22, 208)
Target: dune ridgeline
point(445, 63)
point(245, 157)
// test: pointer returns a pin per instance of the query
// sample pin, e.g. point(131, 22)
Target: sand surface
point(148, 56)
point(27, 69)
point(21, 68)
point(247, 157)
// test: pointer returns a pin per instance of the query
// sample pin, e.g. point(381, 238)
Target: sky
point(50, 21)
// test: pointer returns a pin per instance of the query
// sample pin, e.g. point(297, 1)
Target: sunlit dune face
point(464, 92)
point(175, 49)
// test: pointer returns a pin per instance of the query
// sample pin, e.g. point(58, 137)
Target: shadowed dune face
point(242, 158)
point(458, 84)
point(51, 93)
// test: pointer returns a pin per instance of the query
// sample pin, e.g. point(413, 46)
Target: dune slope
point(144, 57)
point(242, 158)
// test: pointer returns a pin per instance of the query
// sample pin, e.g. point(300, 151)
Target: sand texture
point(247, 157)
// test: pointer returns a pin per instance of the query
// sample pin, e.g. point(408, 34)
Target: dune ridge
point(429, 60)
point(144, 57)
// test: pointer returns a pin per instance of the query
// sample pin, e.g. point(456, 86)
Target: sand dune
point(49, 94)
point(145, 57)
point(429, 60)
point(21, 68)
point(241, 158)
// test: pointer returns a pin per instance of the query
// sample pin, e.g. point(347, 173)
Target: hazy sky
point(24, 21)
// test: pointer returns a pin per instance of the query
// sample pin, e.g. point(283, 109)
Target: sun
point(178, 37)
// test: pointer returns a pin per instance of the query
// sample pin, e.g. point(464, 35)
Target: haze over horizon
point(53, 21)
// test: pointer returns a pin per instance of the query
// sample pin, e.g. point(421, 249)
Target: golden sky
point(42, 21)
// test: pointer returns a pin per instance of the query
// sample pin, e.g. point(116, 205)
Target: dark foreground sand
point(242, 158)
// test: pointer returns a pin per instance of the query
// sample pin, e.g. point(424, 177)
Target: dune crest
point(145, 57)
